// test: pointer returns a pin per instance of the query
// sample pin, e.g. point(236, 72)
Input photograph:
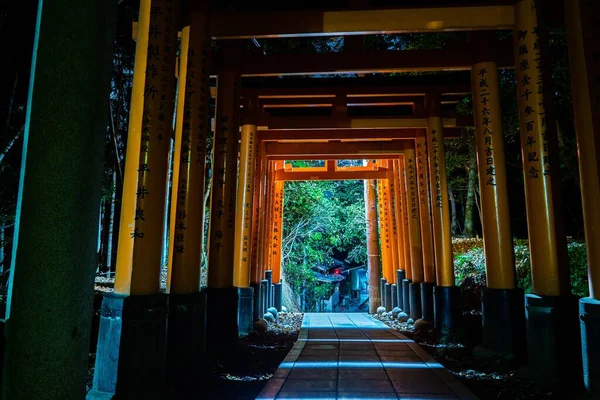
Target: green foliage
point(322, 221)
point(469, 267)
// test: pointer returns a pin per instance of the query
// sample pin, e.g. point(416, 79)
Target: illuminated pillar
point(414, 230)
point(373, 267)
point(447, 298)
point(389, 198)
point(244, 214)
point(277, 246)
point(400, 272)
point(426, 233)
point(258, 229)
point(395, 242)
point(502, 301)
point(550, 309)
point(222, 295)
point(187, 303)
point(581, 19)
point(50, 295)
point(383, 240)
point(132, 339)
point(404, 215)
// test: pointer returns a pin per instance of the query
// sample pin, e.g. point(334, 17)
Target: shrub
point(469, 265)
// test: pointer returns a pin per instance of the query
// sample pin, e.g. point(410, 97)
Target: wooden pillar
point(426, 228)
point(550, 309)
point(245, 197)
point(583, 36)
point(404, 217)
point(277, 230)
point(425, 210)
point(222, 295)
point(397, 216)
point(447, 297)
point(502, 302)
point(373, 267)
point(192, 126)
point(392, 239)
point(148, 145)
point(50, 295)
point(385, 246)
point(132, 342)
point(186, 338)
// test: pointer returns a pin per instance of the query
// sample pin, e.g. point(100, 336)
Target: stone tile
point(323, 346)
point(362, 373)
point(358, 353)
point(314, 373)
point(417, 381)
point(351, 357)
point(403, 358)
point(309, 385)
point(306, 395)
point(397, 346)
point(366, 396)
point(365, 385)
point(271, 389)
point(281, 373)
point(324, 352)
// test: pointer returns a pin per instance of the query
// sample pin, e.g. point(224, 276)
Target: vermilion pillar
point(222, 295)
point(373, 267)
point(404, 215)
point(384, 240)
point(414, 230)
point(244, 216)
point(132, 338)
point(277, 242)
point(426, 231)
point(502, 302)
point(447, 298)
point(399, 229)
point(582, 18)
point(550, 309)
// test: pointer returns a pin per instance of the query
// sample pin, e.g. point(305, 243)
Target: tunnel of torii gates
point(150, 341)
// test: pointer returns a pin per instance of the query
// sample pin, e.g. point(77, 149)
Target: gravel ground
point(488, 378)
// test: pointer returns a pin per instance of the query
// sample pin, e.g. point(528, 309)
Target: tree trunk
point(455, 227)
point(469, 225)
point(373, 267)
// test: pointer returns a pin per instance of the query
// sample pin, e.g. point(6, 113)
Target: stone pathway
point(353, 356)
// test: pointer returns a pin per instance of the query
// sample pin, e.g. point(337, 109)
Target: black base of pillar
point(503, 318)
point(589, 317)
point(427, 301)
point(257, 305)
point(382, 291)
point(388, 297)
point(406, 295)
point(131, 355)
point(186, 341)
point(415, 300)
point(448, 313)
point(245, 310)
point(400, 276)
point(269, 278)
point(278, 296)
point(553, 340)
point(264, 296)
point(394, 296)
point(221, 321)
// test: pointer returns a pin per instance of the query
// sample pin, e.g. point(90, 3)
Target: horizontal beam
point(350, 134)
point(311, 89)
point(282, 175)
point(247, 25)
point(331, 123)
point(462, 59)
point(342, 150)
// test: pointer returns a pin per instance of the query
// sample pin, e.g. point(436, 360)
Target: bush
point(469, 265)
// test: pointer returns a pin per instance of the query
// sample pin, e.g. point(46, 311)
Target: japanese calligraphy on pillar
point(386, 205)
point(394, 210)
point(423, 176)
point(247, 208)
point(436, 142)
point(277, 218)
point(411, 177)
point(486, 122)
point(156, 120)
point(537, 158)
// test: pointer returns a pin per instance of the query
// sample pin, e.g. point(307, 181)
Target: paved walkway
point(353, 356)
